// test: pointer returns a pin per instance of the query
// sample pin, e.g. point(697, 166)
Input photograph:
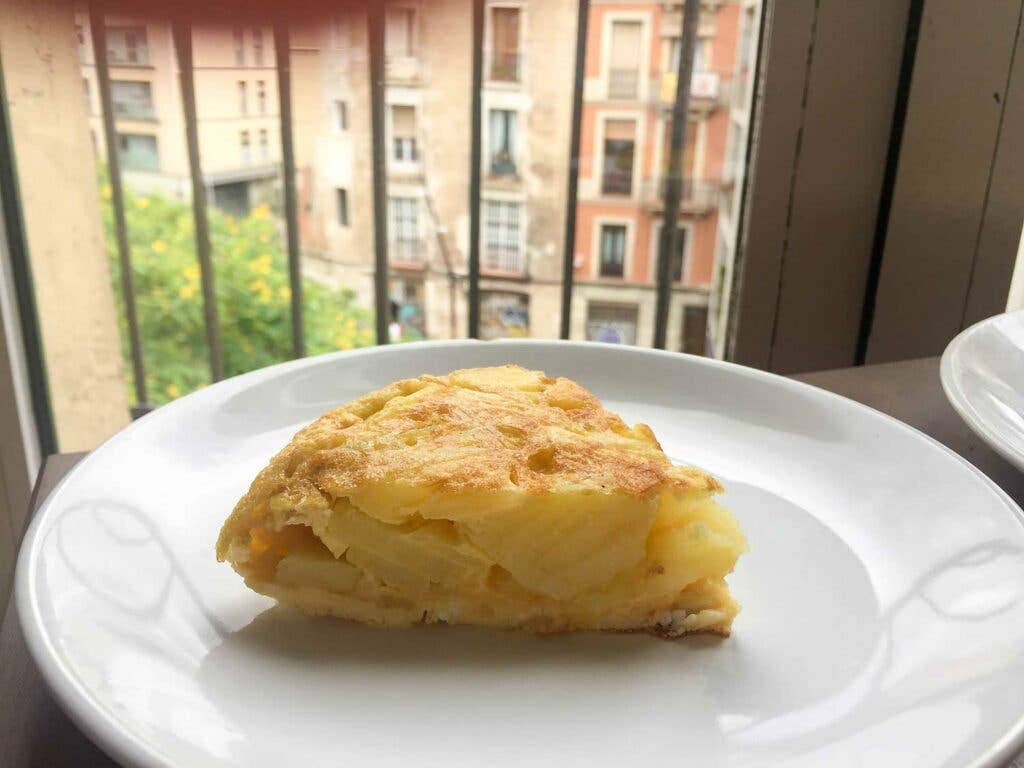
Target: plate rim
point(119, 742)
point(956, 397)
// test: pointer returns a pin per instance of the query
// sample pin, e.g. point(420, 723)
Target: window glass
point(613, 250)
point(503, 141)
point(504, 44)
point(611, 323)
point(502, 250)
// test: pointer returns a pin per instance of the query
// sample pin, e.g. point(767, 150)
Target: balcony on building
point(505, 67)
point(407, 254)
point(623, 84)
point(503, 262)
point(708, 91)
point(698, 195)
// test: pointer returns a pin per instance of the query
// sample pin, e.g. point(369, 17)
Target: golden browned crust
point(484, 429)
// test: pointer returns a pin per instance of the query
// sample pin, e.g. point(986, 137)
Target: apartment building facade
point(630, 83)
point(236, 106)
point(526, 115)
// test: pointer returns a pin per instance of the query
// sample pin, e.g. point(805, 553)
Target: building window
point(403, 133)
point(131, 99)
point(239, 47)
point(341, 196)
point(341, 115)
point(88, 99)
point(264, 144)
point(243, 142)
point(257, 47)
point(404, 229)
point(261, 96)
point(138, 152)
point(505, 44)
point(503, 142)
point(611, 323)
point(398, 32)
point(701, 54)
point(619, 143)
point(127, 46)
point(612, 261)
point(624, 67)
point(243, 98)
point(503, 251)
point(504, 314)
point(695, 330)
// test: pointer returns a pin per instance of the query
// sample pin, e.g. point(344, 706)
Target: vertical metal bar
point(583, 16)
point(12, 223)
point(291, 210)
point(183, 47)
point(474, 170)
point(375, 29)
point(674, 185)
point(124, 257)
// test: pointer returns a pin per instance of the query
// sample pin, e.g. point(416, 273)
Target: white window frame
point(403, 97)
point(517, 198)
point(639, 118)
point(644, 86)
point(517, 85)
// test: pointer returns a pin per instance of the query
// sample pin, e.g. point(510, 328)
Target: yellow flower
point(142, 203)
point(232, 227)
point(158, 246)
point(261, 265)
point(261, 211)
point(192, 273)
point(259, 286)
point(284, 292)
point(172, 390)
point(187, 291)
point(106, 192)
point(264, 239)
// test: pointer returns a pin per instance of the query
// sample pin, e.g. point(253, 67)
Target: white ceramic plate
point(883, 619)
point(983, 375)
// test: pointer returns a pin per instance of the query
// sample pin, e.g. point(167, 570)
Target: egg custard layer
point(490, 496)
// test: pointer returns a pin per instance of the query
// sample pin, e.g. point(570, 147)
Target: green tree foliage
point(253, 296)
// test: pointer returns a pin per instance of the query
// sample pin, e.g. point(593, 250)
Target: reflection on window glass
point(131, 99)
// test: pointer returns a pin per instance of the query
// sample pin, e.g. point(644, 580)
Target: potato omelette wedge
point(490, 496)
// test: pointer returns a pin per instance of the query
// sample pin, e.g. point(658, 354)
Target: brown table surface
point(34, 731)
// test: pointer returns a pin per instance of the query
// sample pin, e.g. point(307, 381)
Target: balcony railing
point(708, 90)
point(698, 194)
point(128, 111)
point(507, 261)
point(406, 251)
point(623, 83)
